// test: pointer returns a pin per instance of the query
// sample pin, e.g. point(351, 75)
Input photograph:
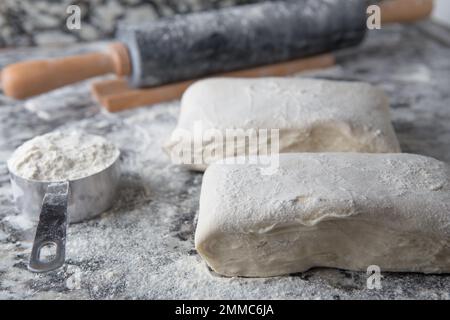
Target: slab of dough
point(312, 116)
point(341, 210)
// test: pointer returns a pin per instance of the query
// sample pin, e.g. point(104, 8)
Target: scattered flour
point(19, 222)
point(60, 155)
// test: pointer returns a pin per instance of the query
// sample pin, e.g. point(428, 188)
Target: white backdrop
point(442, 11)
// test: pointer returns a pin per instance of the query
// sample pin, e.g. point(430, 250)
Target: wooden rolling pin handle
point(404, 11)
point(29, 78)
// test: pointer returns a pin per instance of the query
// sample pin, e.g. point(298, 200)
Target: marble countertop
point(143, 247)
point(43, 22)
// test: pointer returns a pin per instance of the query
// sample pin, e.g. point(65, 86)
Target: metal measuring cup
point(54, 203)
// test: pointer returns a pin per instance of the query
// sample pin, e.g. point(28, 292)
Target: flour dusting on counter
point(60, 155)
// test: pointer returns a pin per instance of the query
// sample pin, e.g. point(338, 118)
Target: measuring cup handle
point(51, 229)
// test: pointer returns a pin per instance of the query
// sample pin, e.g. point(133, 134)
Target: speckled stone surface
point(143, 247)
point(43, 22)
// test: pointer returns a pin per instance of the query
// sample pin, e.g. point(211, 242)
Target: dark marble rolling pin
point(194, 45)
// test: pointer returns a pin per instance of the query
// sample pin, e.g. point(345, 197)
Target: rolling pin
point(195, 45)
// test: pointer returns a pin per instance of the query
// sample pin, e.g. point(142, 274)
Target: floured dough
point(312, 116)
point(341, 210)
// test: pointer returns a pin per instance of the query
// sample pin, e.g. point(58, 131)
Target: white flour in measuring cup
point(59, 156)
